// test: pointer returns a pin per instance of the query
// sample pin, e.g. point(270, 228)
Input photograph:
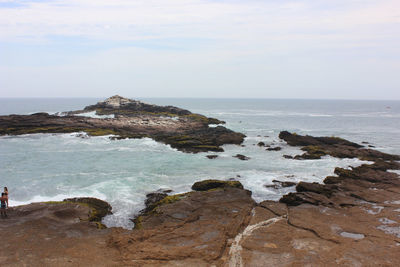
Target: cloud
point(244, 47)
point(223, 20)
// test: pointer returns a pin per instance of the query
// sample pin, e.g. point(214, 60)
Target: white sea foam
point(394, 171)
point(93, 114)
point(271, 113)
point(38, 198)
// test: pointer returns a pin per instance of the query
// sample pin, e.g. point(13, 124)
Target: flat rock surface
point(45, 234)
point(194, 229)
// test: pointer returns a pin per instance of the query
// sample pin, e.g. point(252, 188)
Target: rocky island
point(127, 118)
point(351, 219)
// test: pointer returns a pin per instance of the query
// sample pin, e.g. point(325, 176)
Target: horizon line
point(177, 97)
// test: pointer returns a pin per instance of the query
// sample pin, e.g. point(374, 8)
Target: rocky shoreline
point(352, 219)
point(179, 128)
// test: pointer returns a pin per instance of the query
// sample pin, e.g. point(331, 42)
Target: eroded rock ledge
point(183, 130)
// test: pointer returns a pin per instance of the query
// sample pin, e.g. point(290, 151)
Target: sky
point(315, 49)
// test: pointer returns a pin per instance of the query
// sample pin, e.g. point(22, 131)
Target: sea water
point(44, 167)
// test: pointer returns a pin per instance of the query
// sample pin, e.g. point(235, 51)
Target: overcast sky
point(345, 49)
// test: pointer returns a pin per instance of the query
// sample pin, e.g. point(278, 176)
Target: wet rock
point(300, 140)
point(316, 147)
point(295, 199)
point(261, 144)
point(153, 198)
point(241, 157)
point(212, 184)
point(83, 136)
point(277, 148)
point(212, 156)
point(274, 186)
point(332, 180)
point(284, 183)
point(288, 157)
point(326, 190)
point(280, 184)
point(312, 152)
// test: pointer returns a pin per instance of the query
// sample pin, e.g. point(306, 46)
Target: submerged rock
point(261, 144)
point(241, 157)
point(284, 183)
point(212, 156)
point(280, 184)
point(277, 148)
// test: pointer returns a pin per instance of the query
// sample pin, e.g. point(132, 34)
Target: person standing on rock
point(4, 205)
point(6, 193)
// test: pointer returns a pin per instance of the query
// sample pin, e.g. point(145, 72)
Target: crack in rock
point(235, 257)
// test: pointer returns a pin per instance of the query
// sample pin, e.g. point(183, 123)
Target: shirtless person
point(4, 201)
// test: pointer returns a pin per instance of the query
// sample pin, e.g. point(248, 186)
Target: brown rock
point(241, 157)
point(195, 227)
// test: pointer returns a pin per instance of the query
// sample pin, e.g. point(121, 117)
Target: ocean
point(44, 167)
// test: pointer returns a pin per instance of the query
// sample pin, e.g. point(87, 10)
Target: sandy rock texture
point(55, 234)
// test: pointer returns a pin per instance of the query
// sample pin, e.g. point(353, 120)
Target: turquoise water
point(55, 166)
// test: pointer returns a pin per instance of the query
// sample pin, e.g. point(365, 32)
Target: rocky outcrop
point(350, 220)
point(300, 140)
point(212, 184)
point(118, 105)
point(192, 228)
point(316, 147)
point(179, 128)
point(339, 190)
point(241, 157)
